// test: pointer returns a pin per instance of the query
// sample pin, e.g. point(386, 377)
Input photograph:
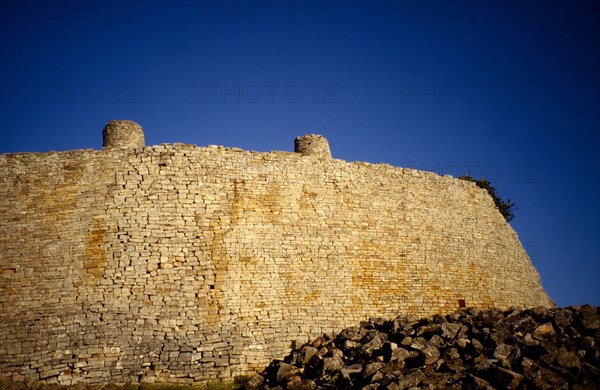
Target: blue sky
point(508, 90)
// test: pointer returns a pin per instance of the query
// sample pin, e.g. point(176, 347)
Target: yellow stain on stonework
point(237, 205)
point(271, 201)
point(95, 256)
point(311, 296)
point(357, 304)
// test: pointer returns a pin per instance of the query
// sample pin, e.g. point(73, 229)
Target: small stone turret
point(122, 134)
point(312, 145)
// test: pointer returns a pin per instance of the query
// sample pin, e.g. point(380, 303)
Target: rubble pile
point(468, 349)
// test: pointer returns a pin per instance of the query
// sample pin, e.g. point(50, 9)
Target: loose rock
point(491, 349)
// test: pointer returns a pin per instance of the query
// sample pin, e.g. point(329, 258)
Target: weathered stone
point(449, 330)
point(476, 345)
point(567, 359)
point(434, 380)
point(505, 379)
point(349, 345)
point(322, 352)
point(527, 365)
point(373, 345)
point(353, 333)
point(254, 382)
point(589, 318)
point(504, 351)
point(528, 340)
point(336, 353)
point(563, 318)
point(463, 343)
point(372, 368)
point(451, 353)
point(395, 368)
point(352, 370)
point(428, 330)
point(436, 340)
point(372, 386)
point(412, 379)
point(388, 348)
point(430, 355)
point(377, 377)
point(543, 331)
point(480, 383)
point(286, 371)
point(306, 353)
point(483, 364)
point(399, 354)
point(331, 364)
point(546, 379)
point(318, 342)
point(304, 384)
point(418, 343)
point(455, 365)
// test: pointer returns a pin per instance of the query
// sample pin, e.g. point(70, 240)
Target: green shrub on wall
point(506, 208)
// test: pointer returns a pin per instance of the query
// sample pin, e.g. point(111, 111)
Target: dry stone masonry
point(312, 145)
point(122, 134)
point(178, 263)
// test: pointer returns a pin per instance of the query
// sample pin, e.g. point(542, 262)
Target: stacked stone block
point(177, 263)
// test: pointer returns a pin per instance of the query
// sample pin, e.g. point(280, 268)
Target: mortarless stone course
point(178, 263)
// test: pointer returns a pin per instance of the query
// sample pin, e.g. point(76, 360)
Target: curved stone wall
point(186, 264)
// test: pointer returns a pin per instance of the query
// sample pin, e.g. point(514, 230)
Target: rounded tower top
point(122, 134)
point(312, 145)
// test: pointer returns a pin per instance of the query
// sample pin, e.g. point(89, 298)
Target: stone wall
point(186, 264)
